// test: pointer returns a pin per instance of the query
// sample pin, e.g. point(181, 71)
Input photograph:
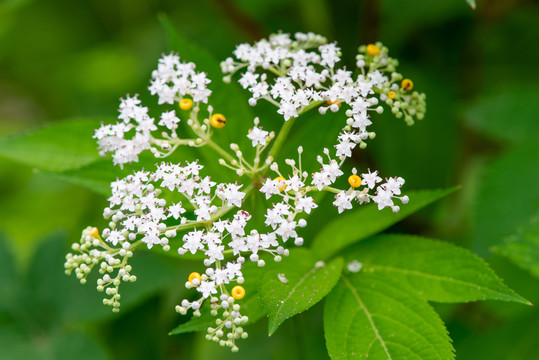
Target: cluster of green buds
point(397, 92)
point(92, 251)
point(228, 327)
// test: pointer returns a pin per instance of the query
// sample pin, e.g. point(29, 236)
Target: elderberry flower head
point(175, 205)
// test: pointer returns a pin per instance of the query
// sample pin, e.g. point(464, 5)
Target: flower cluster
point(174, 205)
point(172, 81)
point(295, 74)
point(92, 251)
point(139, 212)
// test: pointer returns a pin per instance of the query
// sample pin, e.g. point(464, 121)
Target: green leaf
point(57, 147)
point(431, 270)
point(498, 215)
point(471, 3)
point(490, 113)
point(368, 316)
point(523, 247)
point(367, 221)
point(296, 284)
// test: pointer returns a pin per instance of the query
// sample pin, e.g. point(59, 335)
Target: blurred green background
point(63, 59)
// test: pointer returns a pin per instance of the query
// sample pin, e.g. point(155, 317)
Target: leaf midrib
point(368, 315)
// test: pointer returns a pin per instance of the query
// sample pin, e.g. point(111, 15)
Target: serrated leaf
point(523, 247)
point(367, 221)
point(57, 147)
point(430, 269)
point(296, 284)
point(367, 316)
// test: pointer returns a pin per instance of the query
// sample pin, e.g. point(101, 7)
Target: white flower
point(343, 201)
point(393, 185)
point(371, 179)
point(305, 204)
point(231, 194)
point(383, 198)
point(270, 188)
point(169, 119)
point(207, 288)
point(257, 136)
point(193, 241)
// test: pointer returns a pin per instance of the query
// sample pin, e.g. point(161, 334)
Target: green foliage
point(57, 147)
point(523, 247)
point(364, 222)
point(295, 285)
point(369, 316)
point(382, 311)
point(431, 270)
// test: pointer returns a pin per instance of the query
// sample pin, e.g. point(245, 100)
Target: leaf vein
point(368, 315)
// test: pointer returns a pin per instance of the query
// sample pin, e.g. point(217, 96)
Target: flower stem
point(279, 141)
point(220, 150)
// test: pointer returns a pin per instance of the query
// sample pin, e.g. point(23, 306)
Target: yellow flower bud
point(391, 95)
point(193, 276)
point(334, 102)
point(373, 50)
point(94, 232)
point(407, 84)
point(218, 121)
point(238, 292)
point(354, 181)
point(186, 104)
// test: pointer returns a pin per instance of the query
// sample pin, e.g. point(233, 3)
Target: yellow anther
point(238, 292)
point(193, 276)
point(218, 121)
point(354, 181)
point(329, 102)
point(94, 232)
point(186, 104)
point(407, 84)
point(373, 50)
point(391, 95)
point(281, 179)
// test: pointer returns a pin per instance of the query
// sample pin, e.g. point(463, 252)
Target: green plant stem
point(220, 150)
point(285, 129)
point(279, 140)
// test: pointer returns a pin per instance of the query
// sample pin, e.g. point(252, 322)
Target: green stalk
point(279, 140)
point(285, 129)
point(220, 150)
